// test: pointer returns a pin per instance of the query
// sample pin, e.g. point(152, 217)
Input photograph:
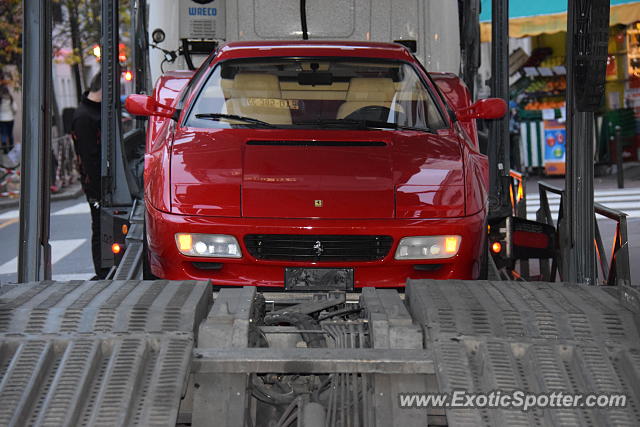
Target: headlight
point(208, 245)
point(428, 247)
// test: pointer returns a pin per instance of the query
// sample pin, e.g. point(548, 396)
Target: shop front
point(538, 82)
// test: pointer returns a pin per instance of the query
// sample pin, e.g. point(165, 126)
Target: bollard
point(619, 158)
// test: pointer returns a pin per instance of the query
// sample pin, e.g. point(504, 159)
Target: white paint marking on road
point(75, 276)
point(78, 208)
point(10, 214)
point(613, 205)
point(59, 250)
point(618, 192)
point(604, 199)
point(554, 212)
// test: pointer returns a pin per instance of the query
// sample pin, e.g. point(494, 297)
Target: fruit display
point(545, 103)
point(542, 84)
point(547, 85)
point(552, 61)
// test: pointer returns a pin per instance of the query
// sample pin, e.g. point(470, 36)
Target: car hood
point(278, 173)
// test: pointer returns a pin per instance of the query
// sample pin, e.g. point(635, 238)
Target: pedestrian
point(7, 116)
point(85, 129)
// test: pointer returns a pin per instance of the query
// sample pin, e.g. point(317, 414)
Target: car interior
point(290, 93)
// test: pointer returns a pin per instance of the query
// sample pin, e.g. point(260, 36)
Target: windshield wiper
point(221, 116)
point(363, 124)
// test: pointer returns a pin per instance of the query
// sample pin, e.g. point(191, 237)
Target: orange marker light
point(185, 242)
point(128, 76)
point(520, 194)
point(116, 248)
point(125, 229)
point(451, 244)
point(496, 247)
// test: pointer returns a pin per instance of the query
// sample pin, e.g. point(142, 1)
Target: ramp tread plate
point(523, 310)
point(94, 381)
point(539, 337)
point(103, 306)
point(97, 353)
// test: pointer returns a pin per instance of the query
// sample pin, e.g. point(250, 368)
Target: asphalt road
point(70, 240)
point(71, 233)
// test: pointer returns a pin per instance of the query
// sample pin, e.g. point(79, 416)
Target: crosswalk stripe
point(554, 212)
point(613, 205)
point(619, 192)
point(59, 250)
point(604, 199)
point(74, 276)
point(78, 208)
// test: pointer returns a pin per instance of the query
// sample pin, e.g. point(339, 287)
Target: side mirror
point(143, 105)
point(490, 108)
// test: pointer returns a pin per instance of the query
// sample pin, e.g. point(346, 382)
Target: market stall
point(538, 82)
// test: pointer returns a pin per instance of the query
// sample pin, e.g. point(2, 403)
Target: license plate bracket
point(318, 279)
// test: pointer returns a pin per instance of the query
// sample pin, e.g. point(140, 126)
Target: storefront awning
point(530, 18)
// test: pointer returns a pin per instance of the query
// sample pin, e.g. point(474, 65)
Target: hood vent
point(320, 143)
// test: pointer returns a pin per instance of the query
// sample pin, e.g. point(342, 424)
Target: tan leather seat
point(364, 92)
point(258, 96)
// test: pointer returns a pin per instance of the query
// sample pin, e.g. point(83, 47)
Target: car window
point(311, 92)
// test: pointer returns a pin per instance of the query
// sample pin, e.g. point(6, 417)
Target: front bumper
point(166, 262)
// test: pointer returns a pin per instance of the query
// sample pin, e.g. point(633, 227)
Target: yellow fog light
point(428, 247)
point(208, 245)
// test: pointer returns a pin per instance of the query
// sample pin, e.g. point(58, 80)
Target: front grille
point(293, 247)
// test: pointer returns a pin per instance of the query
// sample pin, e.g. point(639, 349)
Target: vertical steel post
point(140, 49)
point(619, 157)
point(577, 232)
point(470, 42)
point(115, 191)
point(499, 162)
point(34, 256)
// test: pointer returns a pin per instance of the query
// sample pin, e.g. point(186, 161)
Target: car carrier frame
point(127, 351)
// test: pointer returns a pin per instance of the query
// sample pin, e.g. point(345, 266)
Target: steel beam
point(312, 360)
point(115, 191)
point(498, 149)
point(34, 257)
point(578, 257)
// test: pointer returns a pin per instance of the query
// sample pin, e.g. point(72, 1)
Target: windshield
point(316, 93)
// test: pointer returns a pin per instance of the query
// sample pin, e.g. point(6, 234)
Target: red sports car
point(314, 165)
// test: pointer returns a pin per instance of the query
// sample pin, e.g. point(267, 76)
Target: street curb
point(73, 192)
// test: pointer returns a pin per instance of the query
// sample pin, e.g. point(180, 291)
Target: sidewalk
point(70, 192)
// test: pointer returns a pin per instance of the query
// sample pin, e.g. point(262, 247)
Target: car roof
point(313, 48)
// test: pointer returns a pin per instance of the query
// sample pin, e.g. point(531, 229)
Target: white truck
point(428, 27)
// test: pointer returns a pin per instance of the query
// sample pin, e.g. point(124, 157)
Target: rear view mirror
point(313, 78)
point(143, 105)
point(490, 108)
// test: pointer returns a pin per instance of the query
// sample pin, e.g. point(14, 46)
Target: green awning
point(533, 17)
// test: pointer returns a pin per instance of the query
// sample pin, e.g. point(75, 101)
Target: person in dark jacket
point(85, 129)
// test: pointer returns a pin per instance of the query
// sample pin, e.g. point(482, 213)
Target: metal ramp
point(97, 353)
point(115, 353)
point(541, 337)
